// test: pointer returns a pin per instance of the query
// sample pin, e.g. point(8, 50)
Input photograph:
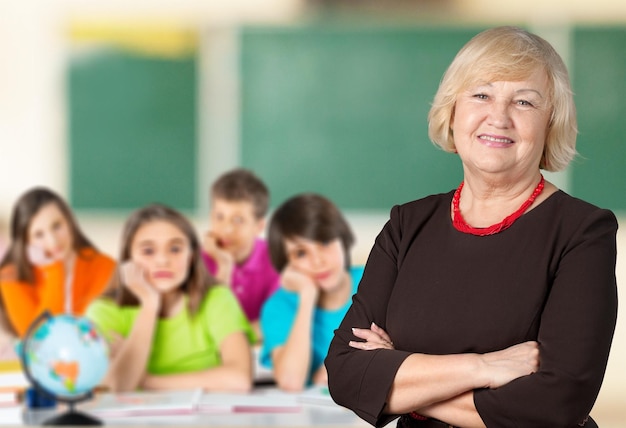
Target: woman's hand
point(501, 367)
point(133, 277)
point(375, 338)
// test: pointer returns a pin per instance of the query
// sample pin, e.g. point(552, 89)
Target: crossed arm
point(440, 386)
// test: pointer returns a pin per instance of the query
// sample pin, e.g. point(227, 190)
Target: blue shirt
point(278, 314)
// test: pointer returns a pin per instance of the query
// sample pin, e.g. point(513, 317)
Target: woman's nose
point(499, 115)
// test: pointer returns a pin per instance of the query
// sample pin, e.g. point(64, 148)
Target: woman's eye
point(480, 96)
point(525, 103)
point(176, 249)
point(299, 253)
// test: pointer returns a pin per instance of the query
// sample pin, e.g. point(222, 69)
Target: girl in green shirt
point(169, 325)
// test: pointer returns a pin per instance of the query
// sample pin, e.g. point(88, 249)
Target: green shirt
point(183, 343)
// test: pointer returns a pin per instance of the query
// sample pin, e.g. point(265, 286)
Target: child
point(309, 244)
point(233, 250)
point(50, 264)
point(169, 325)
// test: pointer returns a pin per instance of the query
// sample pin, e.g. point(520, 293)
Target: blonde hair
point(511, 54)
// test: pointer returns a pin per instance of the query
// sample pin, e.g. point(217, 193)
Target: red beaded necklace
point(459, 222)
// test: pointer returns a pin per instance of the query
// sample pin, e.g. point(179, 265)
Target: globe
point(66, 357)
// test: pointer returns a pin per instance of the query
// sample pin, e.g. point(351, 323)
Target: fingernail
point(374, 324)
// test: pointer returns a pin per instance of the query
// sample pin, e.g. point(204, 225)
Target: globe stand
point(72, 418)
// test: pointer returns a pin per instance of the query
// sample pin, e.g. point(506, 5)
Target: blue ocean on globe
point(66, 356)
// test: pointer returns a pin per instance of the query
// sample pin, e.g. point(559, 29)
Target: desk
point(306, 415)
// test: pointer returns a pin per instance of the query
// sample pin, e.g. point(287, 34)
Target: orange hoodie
point(24, 302)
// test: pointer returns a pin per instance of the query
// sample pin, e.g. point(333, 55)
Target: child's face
point(50, 232)
point(163, 251)
point(324, 263)
point(235, 227)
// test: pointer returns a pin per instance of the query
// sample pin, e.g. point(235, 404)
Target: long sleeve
point(361, 380)
point(25, 302)
point(575, 335)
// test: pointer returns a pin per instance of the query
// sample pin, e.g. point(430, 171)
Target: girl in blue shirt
point(309, 242)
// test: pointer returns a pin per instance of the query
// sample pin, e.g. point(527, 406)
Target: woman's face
point(163, 251)
point(322, 262)
point(501, 127)
point(50, 235)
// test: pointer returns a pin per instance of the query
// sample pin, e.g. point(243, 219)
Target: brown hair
point(509, 53)
point(310, 216)
point(198, 280)
point(242, 185)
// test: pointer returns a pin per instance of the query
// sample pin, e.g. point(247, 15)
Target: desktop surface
point(264, 407)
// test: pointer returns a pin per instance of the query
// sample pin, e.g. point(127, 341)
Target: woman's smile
point(495, 140)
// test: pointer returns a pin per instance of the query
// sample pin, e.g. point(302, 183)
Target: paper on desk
point(110, 405)
point(247, 403)
point(316, 394)
point(12, 415)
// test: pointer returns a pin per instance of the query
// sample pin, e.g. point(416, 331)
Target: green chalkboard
point(132, 130)
point(343, 111)
point(599, 80)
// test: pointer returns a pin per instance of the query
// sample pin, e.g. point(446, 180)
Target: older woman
point(494, 304)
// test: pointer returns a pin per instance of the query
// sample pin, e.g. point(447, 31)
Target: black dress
point(550, 277)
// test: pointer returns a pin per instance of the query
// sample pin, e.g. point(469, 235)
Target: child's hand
point(133, 277)
point(37, 256)
point(320, 377)
point(294, 280)
point(224, 260)
point(115, 342)
point(211, 246)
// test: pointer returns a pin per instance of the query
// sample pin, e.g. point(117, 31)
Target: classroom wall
point(34, 126)
point(33, 51)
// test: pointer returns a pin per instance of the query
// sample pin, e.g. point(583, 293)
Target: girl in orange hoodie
point(50, 264)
